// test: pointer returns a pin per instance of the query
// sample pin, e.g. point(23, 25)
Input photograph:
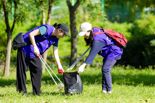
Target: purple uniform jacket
point(110, 50)
point(43, 41)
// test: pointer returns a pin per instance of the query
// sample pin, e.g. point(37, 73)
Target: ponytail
point(56, 25)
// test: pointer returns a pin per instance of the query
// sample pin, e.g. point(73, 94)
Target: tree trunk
point(73, 37)
point(43, 17)
point(50, 2)
point(8, 56)
point(47, 22)
point(72, 13)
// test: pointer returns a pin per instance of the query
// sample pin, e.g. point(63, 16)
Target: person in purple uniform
point(106, 47)
point(37, 41)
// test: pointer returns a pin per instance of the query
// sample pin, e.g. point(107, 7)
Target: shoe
point(36, 94)
point(24, 94)
point(104, 91)
point(109, 92)
point(60, 71)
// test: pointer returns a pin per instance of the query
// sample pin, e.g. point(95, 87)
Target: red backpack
point(118, 37)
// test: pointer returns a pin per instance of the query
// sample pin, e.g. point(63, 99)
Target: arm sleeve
point(56, 43)
point(96, 47)
point(42, 30)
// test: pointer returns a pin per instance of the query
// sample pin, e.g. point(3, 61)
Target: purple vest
point(109, 51)
point(43, 41)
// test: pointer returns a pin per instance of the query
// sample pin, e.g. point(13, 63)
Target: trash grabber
point(48, 67)
point(48, 70)
point(78, 59)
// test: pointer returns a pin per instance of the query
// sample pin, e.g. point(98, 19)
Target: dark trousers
point(35, 73)
point(106, 74)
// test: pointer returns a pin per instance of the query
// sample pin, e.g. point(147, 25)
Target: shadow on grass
point(120, 79)
point(8, 82)
point(52, 93)
point(137, 79)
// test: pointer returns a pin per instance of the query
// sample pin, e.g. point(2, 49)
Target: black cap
point(64, 28)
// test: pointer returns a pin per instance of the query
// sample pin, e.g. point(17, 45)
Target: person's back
point(106, 47)
point(43, 42)
point(110, 44)
point(37, 41)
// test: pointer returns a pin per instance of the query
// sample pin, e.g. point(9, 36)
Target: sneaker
point(109, 92)
point(24, 94)
point(104, 91)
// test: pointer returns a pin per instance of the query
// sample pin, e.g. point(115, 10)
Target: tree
point(46, 15)
point(9, 30)
point(13, 12)
point(48, 20)
point(72, 13)
point(45, 8)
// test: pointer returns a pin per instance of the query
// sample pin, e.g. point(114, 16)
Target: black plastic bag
point(18, 41)
point(72, 83)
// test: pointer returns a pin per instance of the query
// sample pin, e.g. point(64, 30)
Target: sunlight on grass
point(129, 86)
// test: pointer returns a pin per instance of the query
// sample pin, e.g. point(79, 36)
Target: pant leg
point(21, 72)
point(106, 74)
point(35, 73)
point(103, 77)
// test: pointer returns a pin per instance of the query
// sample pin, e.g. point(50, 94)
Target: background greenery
point(138, 27)
point(133, 77)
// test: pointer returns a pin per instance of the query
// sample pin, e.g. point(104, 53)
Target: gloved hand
point(60, 71)
point(36, 51)
point(81, 68)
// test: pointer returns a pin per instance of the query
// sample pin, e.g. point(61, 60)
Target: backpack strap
point(99, 32)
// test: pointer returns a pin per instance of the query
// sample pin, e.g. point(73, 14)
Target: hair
point(56, 25)
point(89, 41)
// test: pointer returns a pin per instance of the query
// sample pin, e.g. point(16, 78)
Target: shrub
point(140, 49)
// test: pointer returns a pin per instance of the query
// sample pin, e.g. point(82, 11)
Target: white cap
point(86, 26)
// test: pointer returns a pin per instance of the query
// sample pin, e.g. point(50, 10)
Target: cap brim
point(82, 33)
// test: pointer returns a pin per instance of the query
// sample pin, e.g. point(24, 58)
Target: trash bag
point(18, 41)
point(72, 83)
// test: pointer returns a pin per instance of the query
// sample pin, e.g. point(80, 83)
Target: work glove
point(36, 51)
point(81, 68)
point(60, 71)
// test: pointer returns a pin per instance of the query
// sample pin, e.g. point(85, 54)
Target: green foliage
point(140, 50)
point(60, 12)
point(144, 26)
point(119, 27)
point(152, 42)
point(128, 10)
point(89, 11)
point(2, 42)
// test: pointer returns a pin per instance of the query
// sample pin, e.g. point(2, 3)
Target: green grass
point(129, 86)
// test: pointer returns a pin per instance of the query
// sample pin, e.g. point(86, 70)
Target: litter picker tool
point(49, 70)
point(78, 59)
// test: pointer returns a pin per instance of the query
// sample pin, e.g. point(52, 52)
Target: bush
point(140, 50)
point(3, 37)
point(144, 26)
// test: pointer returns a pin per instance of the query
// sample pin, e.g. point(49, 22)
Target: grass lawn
point(129, 86)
